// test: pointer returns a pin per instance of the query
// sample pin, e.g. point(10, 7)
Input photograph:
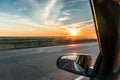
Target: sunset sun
point(73, 32)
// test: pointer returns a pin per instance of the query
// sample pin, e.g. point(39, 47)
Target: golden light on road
point(73, 32)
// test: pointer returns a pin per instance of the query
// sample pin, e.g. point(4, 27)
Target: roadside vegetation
point(30, 42)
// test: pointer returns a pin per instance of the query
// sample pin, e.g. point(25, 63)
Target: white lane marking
point(79, 78)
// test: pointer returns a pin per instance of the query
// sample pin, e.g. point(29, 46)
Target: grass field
point(29, 42)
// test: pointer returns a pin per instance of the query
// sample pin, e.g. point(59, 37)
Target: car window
point(34, 33)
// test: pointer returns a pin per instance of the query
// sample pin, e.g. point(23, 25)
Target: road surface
point(40, 63)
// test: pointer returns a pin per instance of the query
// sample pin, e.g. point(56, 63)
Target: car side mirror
point(78, 64)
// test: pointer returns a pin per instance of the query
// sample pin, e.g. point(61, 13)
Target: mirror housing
point(78, 64)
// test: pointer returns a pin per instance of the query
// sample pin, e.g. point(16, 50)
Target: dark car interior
point(107, 20)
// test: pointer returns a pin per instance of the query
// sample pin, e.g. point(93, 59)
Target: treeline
point(28, 42)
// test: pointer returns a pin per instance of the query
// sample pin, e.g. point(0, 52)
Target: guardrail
point(23, 44)
point(12, 44)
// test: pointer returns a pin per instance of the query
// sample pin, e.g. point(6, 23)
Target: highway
point(40, 63)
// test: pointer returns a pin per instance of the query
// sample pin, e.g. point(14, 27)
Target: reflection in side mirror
point(79, 64)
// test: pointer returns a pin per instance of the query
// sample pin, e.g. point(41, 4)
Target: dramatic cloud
point(48, 8)
point(46, 11)
point(45, 15)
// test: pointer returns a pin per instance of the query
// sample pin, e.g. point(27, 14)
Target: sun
point(73, 32)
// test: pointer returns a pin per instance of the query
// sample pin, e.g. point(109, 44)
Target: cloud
point(48, 10)
point(78, 25)
point(22, 9)
point(63, 18)
point(42, 13)
point(66, 13)
point(74, 1)
point(27, 21)
point(72, 10)
point(18, 20)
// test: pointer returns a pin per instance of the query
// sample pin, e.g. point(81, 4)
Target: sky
point(46, 18)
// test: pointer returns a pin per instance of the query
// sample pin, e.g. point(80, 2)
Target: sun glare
point(73, 32)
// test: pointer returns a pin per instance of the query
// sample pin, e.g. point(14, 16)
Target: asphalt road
point(40, 63)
